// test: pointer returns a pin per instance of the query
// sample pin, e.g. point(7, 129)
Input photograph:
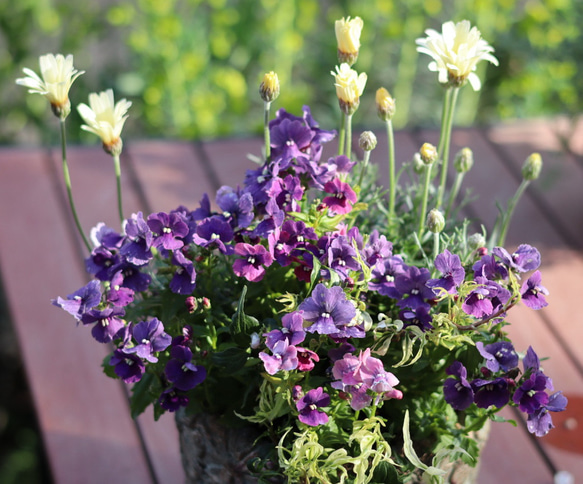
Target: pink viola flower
point(285, 357)
point(255, 258)
point(306, 359)
point(341, 198)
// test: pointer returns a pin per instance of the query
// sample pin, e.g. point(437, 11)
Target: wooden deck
point(83, 415)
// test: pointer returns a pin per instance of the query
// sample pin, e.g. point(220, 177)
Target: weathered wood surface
point(83, 415)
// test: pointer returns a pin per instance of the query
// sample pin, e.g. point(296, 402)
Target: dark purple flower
point(531, 395)
point(531, 360)
point(419, 317)
point(342, 257)
point(150, 338)
point(341, 199)
point(118, 295)
point(290, 239)
point(525, 258)
point(336, 354)
point(490, 268)
point(540, 422)
point(138, 242)
point(308, 407)
point(184, 279)
point(172, 399)
point(383, 276)
point(491, 392)
point(412, 289)
point(292, 330)
point(255, 258)
point(499, 356)
point(103, 236)
point(453, 273)
point(487, 298)
point(168, 230)
point(102, 263)
point(108, 323)
point(377, 248)
point(533, 293)
point(284, 358)
point(328, 310)
point(306, 359)
point(130, 368)
point(286, 192)
point(204, 210)
point(133, 278)
point(212, 233)
point(180, 370)
point(289, 139)
point(237, 207)
point(457, 391)
point(81, 301)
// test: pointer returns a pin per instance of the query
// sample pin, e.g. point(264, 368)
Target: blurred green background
point(192, 70)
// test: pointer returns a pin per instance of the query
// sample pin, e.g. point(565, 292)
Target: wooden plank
point(78, 408)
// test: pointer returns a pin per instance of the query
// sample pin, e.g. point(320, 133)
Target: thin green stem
point(454, 192)
point(118, 182)
point(510, 211)
point(348, 151)
point(435, 245)
point(267, 106)
point(392, 179)
point(67, 178)
point(342, 133)
point(444, 151)
point(444, 110)
point(364, 166)
point(423, 211)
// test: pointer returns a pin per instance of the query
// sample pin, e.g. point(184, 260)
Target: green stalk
point(435, 245)
point(510, 211)
point(443, 149)
point(118, 181)
point(266, 135)
point(454, 191)
point(67, 178)
point(348, 151)
point(364, 165)
point(423, 214)
point(342, 133)
point(392, 180)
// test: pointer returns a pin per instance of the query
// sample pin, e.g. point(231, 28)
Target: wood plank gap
point(534, 194)
point(131, 173)
point(564, 344)
point(206, 164)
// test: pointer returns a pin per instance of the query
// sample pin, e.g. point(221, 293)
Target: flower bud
point(464, 160)
point(367, 141)
point(191, 304)
point(418, 165)
point(385, 104)
point(532, 167)
point(348, 39)
point(269, 87)
point(428, 153)
point(435, 221)
point(475, 241)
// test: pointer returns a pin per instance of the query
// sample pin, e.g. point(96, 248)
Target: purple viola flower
point(308, 407)
point(412, 289)
point(377, 248)
point(81, 301)
point(289, 139)
point(285, 357)
point(133, 278)
point(255, 258)
point(341, 164)
point(118, 295)
point(204, 209)
point(490, 268)
point(540, 421)
point(109, 323)
point(237, 207)
point(525, 258)
point(328, 310)
point(168, 230)
point(533, 292)
point(130, 368)
point(486, 299)
point(419, 317)
point(137, 245)
point(383, 276)
point(212, 233)
point(530, 396)
point(453, 273)
point(345, 371)
point(180, 370)
point(286, 192)
point(499, 356)
point(184, 279)
point(172, 399)
point(372, 373)
point(342, 257)
point(103, 236)
point(336, 354)
point(289, 239)
point(491, 392)
point(341, 197)
point(457, 390)
point(292, 330)
point(102, 263)
point(150, 338)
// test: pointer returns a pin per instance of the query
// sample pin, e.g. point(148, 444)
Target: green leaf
point(412, 455)
point(242, 325)
point(230, 360)
point(108, 369)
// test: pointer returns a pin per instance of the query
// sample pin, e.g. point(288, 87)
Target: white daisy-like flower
point(105, 118)
point(348, 38)
point(349, 87)
point(455, 52)
point(57, 76)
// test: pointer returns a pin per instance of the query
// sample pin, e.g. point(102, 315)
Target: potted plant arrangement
point(309, 325)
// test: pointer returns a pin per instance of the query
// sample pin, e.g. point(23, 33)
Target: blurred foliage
point(192, 68)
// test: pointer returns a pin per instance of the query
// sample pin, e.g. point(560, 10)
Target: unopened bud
point(435, 221)
point(475, 241)
point(269, 88)
point(191, 304)
point(367, 141)
point(428, 153)
point(418, 165)
point(385, 104)
point(532, 167)
point(464, 160)
point(206, 302)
